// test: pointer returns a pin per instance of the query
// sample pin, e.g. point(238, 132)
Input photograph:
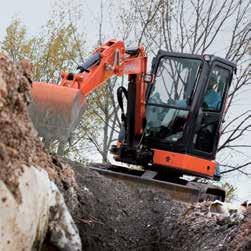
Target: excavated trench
point(113, 216)
point(109, 215)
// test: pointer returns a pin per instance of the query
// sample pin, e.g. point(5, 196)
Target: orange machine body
point(184, 162)
point(113, 59)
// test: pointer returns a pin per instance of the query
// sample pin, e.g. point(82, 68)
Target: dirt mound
point(241, 239)
point(198, 229)
point(19, 143)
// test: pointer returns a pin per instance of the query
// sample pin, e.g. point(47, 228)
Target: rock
point(24, 225)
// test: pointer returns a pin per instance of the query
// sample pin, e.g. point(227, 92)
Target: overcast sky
point(35, 13)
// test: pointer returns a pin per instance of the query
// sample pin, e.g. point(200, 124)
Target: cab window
point(175, 81)
point(213, 98)
point(206, 138)
point(170, 98)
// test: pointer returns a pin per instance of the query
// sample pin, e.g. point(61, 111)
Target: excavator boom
point(57, 108)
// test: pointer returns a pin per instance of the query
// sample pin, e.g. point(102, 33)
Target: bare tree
point(219, 27)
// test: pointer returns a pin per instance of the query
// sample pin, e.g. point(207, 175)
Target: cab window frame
point(226, 84)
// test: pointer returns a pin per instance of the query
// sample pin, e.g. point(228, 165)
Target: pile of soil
point(19, 143)
point(197, 229)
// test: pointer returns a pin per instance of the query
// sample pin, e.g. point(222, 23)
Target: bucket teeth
point(56, 110)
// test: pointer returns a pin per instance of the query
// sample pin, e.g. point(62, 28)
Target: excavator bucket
point(56, 110)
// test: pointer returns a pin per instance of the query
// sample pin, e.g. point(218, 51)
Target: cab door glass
point(175, 81)
point(215, 90)
point(206, 137)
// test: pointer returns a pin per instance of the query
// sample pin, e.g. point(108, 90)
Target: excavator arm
point(57, 108)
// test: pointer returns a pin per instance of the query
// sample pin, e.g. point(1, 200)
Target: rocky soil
point(19, 143)
point(109, 215)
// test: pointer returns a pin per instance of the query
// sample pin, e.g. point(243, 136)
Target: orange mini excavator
point(171, 123)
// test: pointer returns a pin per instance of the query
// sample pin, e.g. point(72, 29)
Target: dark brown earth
point(110, 215)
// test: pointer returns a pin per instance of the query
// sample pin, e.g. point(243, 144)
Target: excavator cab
point(183, 114)
point(185, 105)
